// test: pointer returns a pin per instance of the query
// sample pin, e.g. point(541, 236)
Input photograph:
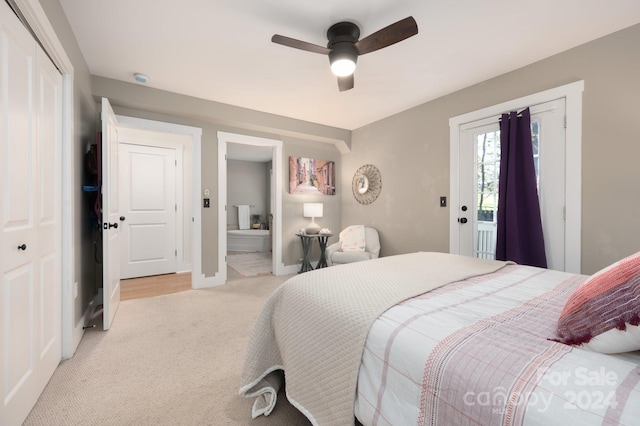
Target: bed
point(436, 339)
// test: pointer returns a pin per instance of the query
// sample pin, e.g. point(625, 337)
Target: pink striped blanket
point(478, 352)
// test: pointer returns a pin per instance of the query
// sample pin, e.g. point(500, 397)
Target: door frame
point(171, 165)
point(195, 133)
point(573, 163)
point(278, 267)
point(184, 185)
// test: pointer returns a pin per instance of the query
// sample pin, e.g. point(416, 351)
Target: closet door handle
point(22, 246)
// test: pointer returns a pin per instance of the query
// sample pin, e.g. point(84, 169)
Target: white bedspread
point(315, 325)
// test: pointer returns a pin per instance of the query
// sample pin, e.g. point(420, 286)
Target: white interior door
point(110, 216)
point(479, 176)
point(30, 226)
point(148, 204)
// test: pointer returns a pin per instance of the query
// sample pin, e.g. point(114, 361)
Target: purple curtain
point(519, 233)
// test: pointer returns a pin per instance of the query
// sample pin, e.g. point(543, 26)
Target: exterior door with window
point(479, 177)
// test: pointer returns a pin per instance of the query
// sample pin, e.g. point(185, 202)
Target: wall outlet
point(443, 201)
point(75, 290)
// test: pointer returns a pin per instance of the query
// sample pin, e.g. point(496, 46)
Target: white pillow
point(616, 341)
point(353, 238)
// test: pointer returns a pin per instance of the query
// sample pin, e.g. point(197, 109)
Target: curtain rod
point(494, 119)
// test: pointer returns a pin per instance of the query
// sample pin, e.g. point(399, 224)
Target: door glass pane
point(486, 190)
point(487, 174)
point(535, 139)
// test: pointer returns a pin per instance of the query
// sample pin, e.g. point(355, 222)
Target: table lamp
point(312, 210)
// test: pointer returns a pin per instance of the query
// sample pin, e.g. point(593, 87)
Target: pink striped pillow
point(603, 304)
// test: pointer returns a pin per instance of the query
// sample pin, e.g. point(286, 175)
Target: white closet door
point(30, 240)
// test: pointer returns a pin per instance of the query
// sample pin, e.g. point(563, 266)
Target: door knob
point(108, 225)
point(122, 218)
point(462, 220)
point(22, 247)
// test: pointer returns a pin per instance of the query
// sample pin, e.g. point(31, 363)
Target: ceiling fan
point(344, 47)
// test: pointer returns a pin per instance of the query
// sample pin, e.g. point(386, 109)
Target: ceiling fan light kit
point(343, 56)
point(344, 47)
point(343, 63)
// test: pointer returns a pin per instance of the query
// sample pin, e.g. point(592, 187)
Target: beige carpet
point(174, 359)
point(251, 264)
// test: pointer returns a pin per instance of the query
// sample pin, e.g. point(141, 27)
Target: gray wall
point(299, 138)
point(293, 204)
point(411, 149)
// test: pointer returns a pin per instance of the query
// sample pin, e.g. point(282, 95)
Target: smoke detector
point(140, 78)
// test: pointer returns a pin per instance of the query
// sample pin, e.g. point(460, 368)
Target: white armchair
point(335, 254)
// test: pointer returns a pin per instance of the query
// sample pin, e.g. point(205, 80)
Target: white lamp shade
point(312, 210)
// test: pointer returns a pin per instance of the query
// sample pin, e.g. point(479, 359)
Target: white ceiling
point(221, 50)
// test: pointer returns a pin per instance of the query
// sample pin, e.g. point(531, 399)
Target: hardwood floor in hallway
point(138, 288)
point(156, 285)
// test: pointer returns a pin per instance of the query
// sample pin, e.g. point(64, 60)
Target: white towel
point(243, 216)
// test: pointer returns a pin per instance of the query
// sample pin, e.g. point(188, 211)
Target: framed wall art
point(308, 176)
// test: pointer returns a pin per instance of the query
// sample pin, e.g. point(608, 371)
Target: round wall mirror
point(366, 184)
point(363, 184)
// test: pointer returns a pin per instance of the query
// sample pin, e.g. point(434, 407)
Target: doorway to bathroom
point(250, 199)
point(248, 210)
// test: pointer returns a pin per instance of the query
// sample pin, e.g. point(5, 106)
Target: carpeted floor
point(251, 264)
point(174, 359)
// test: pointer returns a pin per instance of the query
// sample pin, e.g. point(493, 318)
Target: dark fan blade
point(297, 44)
point(388, 35)
point(345, 83)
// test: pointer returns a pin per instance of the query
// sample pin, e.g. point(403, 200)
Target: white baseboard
point(287, 270)
point(208, 282)
point(293, 269)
